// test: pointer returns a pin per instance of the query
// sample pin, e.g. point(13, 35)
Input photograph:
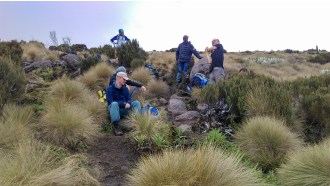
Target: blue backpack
point(152, 111)
point(199, 80)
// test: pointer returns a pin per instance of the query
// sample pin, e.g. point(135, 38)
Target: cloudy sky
point(159, 25)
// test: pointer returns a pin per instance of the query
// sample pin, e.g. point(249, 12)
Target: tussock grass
point(147, 126)
point(142, 75)
point(202, 166)
point(36, 51)
point(97, 110)
point(267, 141)
point(14, 126)
point(68, 90)
point(158, 88)
point(36, 164)
point(67, 124)
point(308, 167)
point(97, 77)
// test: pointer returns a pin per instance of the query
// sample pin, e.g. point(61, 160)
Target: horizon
point(252, 25)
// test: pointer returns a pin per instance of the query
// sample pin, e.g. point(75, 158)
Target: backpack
point(102, 96)
point(199, 80)
point(152, 111)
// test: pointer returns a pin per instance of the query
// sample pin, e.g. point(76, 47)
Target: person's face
point(122, 81)
point(121, 33)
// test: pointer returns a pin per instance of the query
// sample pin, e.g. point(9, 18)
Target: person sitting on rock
point(128, 82)
point(119, 101)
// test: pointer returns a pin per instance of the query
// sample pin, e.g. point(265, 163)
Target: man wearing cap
point(119, 101)
point(128, 82)
point(183, 56)
point(119, 39)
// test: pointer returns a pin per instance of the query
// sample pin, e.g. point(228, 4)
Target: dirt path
point(114, 156)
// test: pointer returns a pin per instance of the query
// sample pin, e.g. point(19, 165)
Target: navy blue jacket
point(128, 82)
point(217, 57)
point(185, 51)
point(119, 95)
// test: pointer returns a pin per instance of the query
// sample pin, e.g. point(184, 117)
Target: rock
point(190, 115)
point(202, 106)
point(185, 128)
point(174, 96)
point(200, 67)
point(177, 106)
point(72, 61)
point(39, 64)
point(163, 101)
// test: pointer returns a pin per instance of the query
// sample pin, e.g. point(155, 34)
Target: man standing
point(119, 39)
point(216, 68)
point(119, 101)
point(183, 56)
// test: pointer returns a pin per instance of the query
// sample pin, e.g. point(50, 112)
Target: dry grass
point(203, 166)
point(158, 88)
point(267, 141)
point(36, 164)
point(142, 75)
point(97, 110)
point(68, 90)
point(308, 167)
point(14, 126)
point(98, 77)
point(35, 51)
point(67, 124)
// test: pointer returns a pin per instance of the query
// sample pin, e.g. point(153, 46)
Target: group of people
point(118, 94)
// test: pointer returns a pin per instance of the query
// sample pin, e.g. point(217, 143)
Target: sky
point(240, 25)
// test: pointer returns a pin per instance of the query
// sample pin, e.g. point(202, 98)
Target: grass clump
point(308, 167)
point(266, 141)
point(14, 126)
point(67, 124)
point(37, 164)
point(158, 88)
point(205, 165)
point(142, 75)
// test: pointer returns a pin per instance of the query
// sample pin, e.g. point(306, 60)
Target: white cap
point(123, 75)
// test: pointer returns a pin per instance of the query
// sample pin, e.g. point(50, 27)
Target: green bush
point(87, 63)
point(12, 81)
point(313, 95)
point(267, 142)
point(78, 47)
point(321, 58)
point(11, 50)
point(109, 51)
point(308, 167)
point(131, 50)
point(136, 63)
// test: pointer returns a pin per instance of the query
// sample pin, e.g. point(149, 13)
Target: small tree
point(12, 81)
point(52, 35)
point(131, 50)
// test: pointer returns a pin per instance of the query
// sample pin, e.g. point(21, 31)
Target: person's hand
point(143, 88)
point(127, 105)
point(206, 49)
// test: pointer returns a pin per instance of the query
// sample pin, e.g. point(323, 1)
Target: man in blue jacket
point(183, 56)
point(119, 39)
point(119, 101)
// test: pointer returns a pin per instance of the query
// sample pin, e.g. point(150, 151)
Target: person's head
point(121, 31)
point(215, 42)
point(185, 38)
point(121, 69)
point(121, 78)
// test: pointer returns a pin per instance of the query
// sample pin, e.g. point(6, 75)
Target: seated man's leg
point(113, 109)
point(136, 106)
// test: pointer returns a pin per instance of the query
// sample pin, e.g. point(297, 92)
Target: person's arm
point(194, 51)
point(210, 49)
point(127, 39)
point(113, 39)
point(133, 83)
point(109, 95)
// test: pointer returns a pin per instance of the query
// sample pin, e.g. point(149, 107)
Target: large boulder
point(72, 61)
point(176, 105)
point(200, 67)
point(40, 64)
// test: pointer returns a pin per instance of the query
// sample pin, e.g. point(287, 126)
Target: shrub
point(131, 50)
point(34, 163)
point(12, 51)
point(308, 167)
point(266, 141)
point(142, 75)
point(203, 166)
point(12, 80)
point(109, 51)
point(321, 58)
point(14, 126)
point(136, 63)
point(67, 124)
point(87, 63)
point(78, 47)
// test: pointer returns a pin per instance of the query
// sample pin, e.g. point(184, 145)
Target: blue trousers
point(182, 67)
point(116, 112)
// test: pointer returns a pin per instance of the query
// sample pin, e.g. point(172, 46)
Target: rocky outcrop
point(200, 67)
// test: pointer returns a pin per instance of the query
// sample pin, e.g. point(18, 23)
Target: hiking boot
point(117, 131)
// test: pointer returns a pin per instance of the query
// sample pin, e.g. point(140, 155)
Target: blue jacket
point(185, 51)
point(119, 95)
point(217, 57)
